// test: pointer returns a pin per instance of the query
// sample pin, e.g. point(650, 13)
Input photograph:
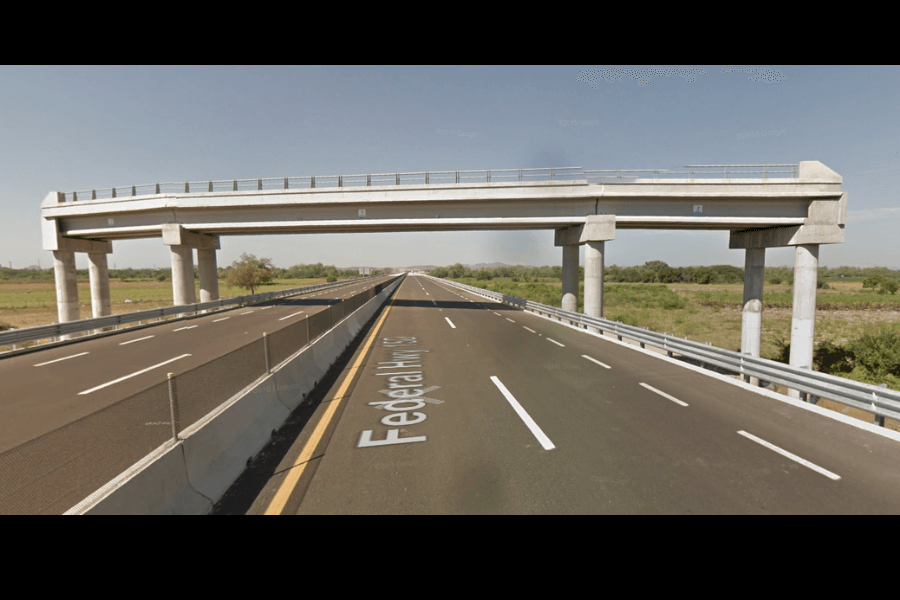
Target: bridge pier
point(99, 276)
point(66, 288)
point(751, 316)
point(824, 224)
point(596, 231)
point(209, 274)
point(64, 249)
point(182, 243)
point(570, 277)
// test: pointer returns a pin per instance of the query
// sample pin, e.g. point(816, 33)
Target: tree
point(249, 272)
point(872, 281)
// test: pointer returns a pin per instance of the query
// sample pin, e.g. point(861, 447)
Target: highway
point(48, 389)
point(455, 404)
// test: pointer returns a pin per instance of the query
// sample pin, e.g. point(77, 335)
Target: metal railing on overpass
point(877, 400)
point(693, 172)
point(55, 330)
point(327, 181)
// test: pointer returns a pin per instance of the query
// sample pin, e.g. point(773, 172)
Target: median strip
point(793, 457)
point(100, 387)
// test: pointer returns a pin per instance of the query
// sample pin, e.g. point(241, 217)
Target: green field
point(31, 304)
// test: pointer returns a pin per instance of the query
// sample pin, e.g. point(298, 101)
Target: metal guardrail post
point(369, 181)
point(187, 188)
point(340, 181)
point(157, 188)
point(113, 192)
point(210, 186)
point(426, 178)
point(234, 185)
point(266, 347)
point(93, 194)
point(259, 184)
point(285, 183)
point(879, 420)
point(398, 178)
point(173, 407)
point(134, 190)
point(312, 181)
point(457, 177)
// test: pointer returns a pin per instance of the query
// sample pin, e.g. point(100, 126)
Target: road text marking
point(793, 457)
point(543, 439)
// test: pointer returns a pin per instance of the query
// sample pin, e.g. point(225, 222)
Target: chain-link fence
point(53, 472)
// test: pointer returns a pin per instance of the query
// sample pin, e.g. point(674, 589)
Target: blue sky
point(75, 128)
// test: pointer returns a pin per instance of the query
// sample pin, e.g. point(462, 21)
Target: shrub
point(774, 280)
point(331, 279)
point(878, 351)
point(890, 286)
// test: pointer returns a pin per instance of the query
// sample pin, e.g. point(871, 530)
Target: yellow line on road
point(287, 486)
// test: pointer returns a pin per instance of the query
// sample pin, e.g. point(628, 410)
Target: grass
point(32, 304)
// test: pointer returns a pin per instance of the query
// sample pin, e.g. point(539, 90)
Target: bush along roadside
point(872, 357)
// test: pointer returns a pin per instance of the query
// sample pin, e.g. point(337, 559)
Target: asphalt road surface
point(455, 404)
point(45, 390)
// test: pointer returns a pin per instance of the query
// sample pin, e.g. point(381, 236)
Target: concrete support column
point(66, 288)
point(209, 274)
point(806, 262)
point(99, 275)
point(751, 326)
point(182, 275)
point(570, 277)
point(593, 280)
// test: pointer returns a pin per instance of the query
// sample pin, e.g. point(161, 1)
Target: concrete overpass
point(803, 210)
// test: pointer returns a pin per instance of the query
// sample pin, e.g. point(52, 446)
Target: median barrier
point(189, 476)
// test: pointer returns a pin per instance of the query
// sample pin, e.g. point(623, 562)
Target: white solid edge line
point(289, 316)
point(137, 340)
point(222, 319)
point(541, 437)
point(663, 394)
point(594, 360)
point(793, 457)
point(59, 359)
point(183, 328)
point(555, 342)
point(451, 323)
point(529, 329)
point(100, 387)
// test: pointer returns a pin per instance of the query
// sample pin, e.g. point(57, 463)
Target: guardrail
point(692, 173)
point(874, 399)
point(41, 332)
point(50, 473)
point(312, 181)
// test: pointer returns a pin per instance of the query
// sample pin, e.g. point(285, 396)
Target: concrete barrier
point(191, 475)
